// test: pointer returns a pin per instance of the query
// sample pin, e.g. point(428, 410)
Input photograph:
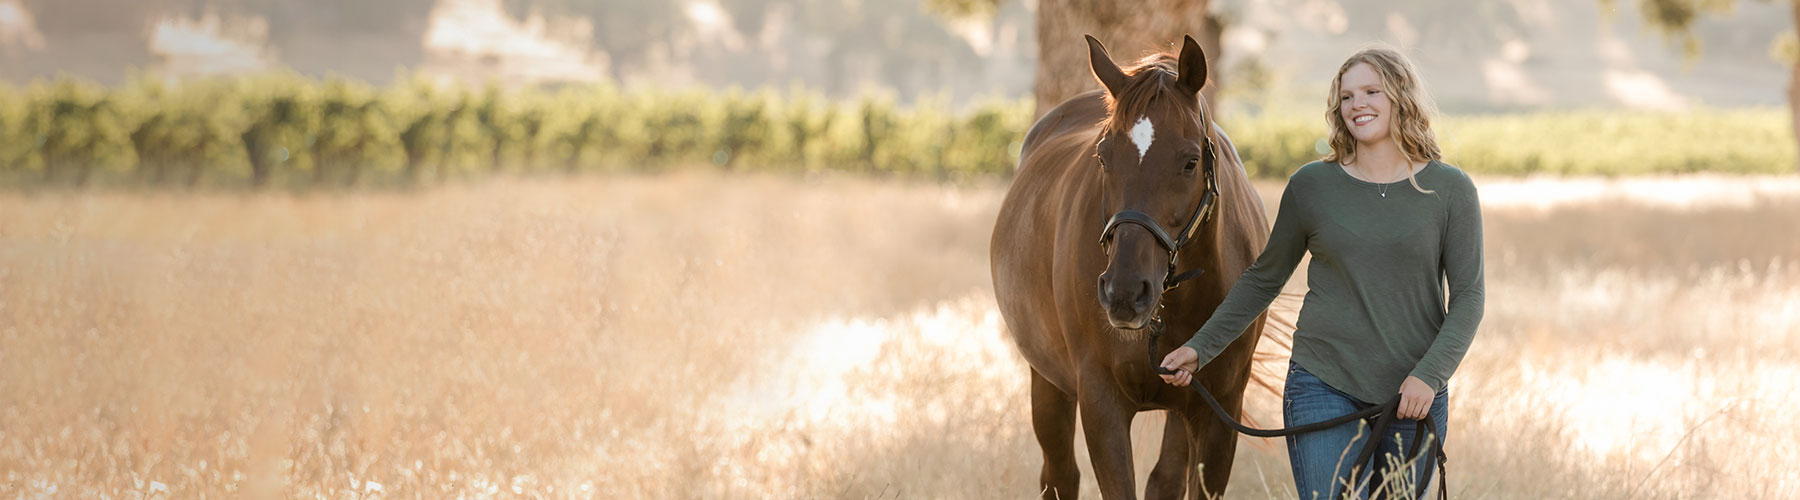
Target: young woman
point(1388, 225)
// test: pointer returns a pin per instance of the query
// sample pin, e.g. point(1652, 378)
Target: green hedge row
point(1579, 142)
point(291, 131)
point(285, 130)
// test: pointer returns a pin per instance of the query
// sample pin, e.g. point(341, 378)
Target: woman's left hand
point(1415, 399)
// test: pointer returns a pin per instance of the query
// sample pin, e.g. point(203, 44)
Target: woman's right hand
point(1184, 361)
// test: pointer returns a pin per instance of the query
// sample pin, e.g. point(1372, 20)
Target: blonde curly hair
point(1413, 109)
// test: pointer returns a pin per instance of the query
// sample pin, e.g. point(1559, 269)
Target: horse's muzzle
point(1129, 303)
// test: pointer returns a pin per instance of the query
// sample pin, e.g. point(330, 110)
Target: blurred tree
point(77, 130)
point(277, 133)
point(747, 126)
point(12, 152)
point(211, 121)
point(418, 116)
point(181, 131)
point(530, 128)
point(151, 137)
point(496, 121)
point(461, 133)
point(1675, 19)
point(1129, 29)
point(578, 138)
point(348, 126)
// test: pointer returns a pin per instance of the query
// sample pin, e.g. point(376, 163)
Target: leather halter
point(1202, 213)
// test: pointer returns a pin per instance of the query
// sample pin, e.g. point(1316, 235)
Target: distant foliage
point(1622, 143)
point(1559, 143)
point(292, 132)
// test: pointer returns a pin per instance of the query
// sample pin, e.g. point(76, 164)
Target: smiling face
point(1363, 104)
point(1377, 96)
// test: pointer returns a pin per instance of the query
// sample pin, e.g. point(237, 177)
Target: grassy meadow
point(706, 335)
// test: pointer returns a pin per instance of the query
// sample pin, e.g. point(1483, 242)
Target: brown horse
point(1144, 153)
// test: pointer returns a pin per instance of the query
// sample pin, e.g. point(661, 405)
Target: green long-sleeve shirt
point(1376, 309)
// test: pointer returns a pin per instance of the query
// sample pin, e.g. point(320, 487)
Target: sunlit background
point(739, 248)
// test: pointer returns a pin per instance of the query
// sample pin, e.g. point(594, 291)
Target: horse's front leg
point(1106, 423)
point(1215, 443)
point(1053, 420)
point(1175, 464)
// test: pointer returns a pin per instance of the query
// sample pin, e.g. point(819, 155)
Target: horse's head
point(1156, 158)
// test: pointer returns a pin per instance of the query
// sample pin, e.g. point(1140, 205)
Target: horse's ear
point(1104, 70)
point(1192, 68)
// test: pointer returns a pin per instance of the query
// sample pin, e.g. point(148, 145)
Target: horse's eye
point(1191, 164)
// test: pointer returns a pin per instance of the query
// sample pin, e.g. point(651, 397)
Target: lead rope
point(1385, 414)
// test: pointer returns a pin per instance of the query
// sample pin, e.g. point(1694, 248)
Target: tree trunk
point(52, 164)
point(82, 171)
point(359, 158)
point(1209, 42)
point(574, 163)
point(322, 162)
point(259, 175)
point(194, 169)
point(256, 148)
point(414, 158)
point(494, 156)
point(1129, 29)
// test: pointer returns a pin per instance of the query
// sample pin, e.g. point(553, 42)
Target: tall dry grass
point(694, 336)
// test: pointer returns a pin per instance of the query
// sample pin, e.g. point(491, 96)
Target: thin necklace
point(1383, 186)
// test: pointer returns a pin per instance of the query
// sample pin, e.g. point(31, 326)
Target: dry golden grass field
point(707, 336)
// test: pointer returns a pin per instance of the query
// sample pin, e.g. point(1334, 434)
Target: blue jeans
point(1322, 460)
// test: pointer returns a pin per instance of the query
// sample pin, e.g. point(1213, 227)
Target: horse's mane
point(1149, 80)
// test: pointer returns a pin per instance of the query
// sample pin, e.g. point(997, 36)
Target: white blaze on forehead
point(1142, 134)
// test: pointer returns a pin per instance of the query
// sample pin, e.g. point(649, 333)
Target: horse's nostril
point(1126, 300)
